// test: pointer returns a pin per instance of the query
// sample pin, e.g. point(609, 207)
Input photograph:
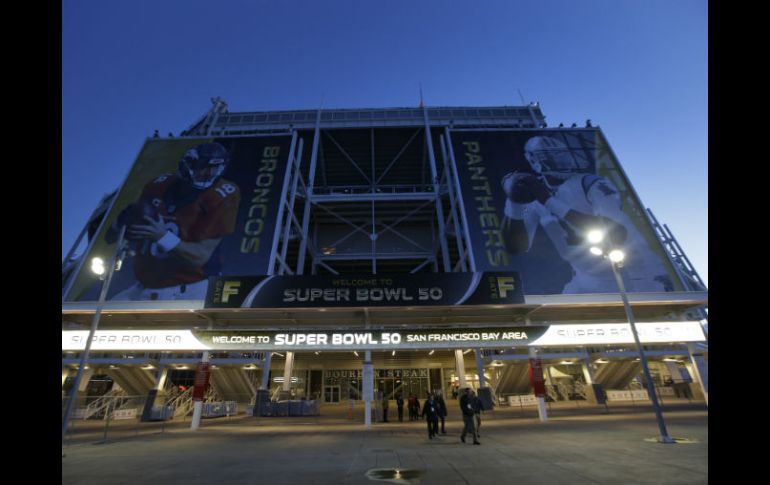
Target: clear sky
point(637, 69)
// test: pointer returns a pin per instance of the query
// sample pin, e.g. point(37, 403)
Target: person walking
point(442, 411)
point(466, 406)
point(477, 408)
point(414, 408)
point(430, 413)
point(384, 408)
point(410, 407)
point(400, 405)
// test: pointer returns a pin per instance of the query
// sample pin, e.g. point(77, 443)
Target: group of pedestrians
point(434, 411)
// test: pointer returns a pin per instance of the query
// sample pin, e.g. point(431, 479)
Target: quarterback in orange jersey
point(177, 224)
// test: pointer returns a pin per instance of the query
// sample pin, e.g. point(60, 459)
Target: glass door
point(332, 393)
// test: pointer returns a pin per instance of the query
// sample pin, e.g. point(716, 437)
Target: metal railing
point(98, 406)
point(368, 189)
point(117, 416)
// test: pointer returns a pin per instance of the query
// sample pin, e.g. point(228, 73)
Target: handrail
point(102, 402)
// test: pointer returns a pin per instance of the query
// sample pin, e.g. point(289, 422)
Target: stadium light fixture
point(595, 236)
point(97, 266)
point(99, 269)
point(616, 258)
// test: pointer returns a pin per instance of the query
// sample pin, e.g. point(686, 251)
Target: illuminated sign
point(287, 291)
point(553, 335)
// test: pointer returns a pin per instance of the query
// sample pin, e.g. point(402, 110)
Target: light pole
point(616, 257)
point(98, 268)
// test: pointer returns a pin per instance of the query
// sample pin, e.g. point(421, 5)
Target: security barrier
point(219, 409)
point(287, 408)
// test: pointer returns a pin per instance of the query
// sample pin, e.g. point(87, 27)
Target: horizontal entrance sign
point(553, 335)
point(365, 290)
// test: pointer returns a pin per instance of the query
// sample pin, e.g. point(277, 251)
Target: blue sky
point(639, 70)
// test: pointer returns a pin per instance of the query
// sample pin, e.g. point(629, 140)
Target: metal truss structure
point(375, 190)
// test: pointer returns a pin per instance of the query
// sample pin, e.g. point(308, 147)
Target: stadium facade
point(392, 250)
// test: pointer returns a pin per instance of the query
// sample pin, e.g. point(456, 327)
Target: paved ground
point(577, 445)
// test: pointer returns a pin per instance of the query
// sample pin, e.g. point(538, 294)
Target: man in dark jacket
point(477, 408)
point(430, 413)
point(466, 406)
point(400, 405)
point(384, 408)
point(442, 412)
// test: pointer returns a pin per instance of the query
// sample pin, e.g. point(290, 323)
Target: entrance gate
point(331, 393)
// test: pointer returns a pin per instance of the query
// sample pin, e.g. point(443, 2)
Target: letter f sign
point(504, 283)
point(230, 288)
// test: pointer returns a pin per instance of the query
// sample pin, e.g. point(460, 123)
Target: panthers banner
point(530, 198)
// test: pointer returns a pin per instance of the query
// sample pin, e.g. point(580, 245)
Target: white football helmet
point(547, 154)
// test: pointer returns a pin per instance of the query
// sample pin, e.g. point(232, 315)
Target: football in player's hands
point(525, 187)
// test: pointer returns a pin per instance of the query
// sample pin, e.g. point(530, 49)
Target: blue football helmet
point(202, 165)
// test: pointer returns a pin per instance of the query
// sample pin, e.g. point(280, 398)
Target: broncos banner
point(366, 290)
point(191, 208)
point(531, 196)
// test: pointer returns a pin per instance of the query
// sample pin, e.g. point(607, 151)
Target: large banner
point(531, 197)
point(360, 339)
point(365, 290)
point(191, 208)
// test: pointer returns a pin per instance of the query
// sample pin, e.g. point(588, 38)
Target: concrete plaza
point(579, 444)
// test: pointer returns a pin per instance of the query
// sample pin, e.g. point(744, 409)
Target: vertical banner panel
point(531, 197)
point(195, 208)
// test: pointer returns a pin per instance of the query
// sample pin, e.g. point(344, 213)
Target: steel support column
point(541, 412)
point(464, 216)
point(434, 182)
point(700, 366)
point(453, 206)
point(460, 368)
point(288, 367)
point(309, 195)
point(281, 208)
point(296, 163)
